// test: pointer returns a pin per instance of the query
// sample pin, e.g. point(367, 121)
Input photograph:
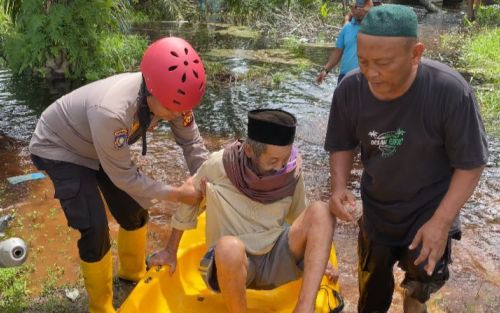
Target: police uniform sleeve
point(186, 217)
point(299, 201)
point(465, 138)
point(341, 129)
point(187, 136)
point(110, 135)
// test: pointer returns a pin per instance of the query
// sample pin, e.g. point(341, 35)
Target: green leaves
point(65, 38)
point(11, 7)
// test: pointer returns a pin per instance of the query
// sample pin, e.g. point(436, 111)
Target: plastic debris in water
point(22, 178)
point(72, 294)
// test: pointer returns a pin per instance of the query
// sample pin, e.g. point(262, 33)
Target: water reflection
point(23, 99)
point(222, 116)
point(223, 112)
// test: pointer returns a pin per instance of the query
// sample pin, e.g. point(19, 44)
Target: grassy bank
point(481, 59)
point(474, 52)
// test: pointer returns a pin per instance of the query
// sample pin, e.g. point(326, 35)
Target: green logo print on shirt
point(387, 142)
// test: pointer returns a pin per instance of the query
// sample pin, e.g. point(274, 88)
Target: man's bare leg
point(310, 237)
point(232, 265)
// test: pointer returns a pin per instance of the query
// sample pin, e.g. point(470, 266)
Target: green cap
point(390, 20)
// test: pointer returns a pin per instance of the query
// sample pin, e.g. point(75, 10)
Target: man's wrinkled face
point(160, 111)
point(273, 159)
point(388, 63)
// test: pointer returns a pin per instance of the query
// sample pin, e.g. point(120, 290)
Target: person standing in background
point(345, 50)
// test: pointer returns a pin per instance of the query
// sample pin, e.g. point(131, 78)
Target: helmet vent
point(172, 68)
point(196, 61)
point(201, 86)
point(186, 51)
point(186, 63)
point(195, 74)
point(177, 102)
point(180, 91)
point(174, 54)
point(184, 77)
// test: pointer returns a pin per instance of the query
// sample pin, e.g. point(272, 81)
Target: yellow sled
point(186, 292)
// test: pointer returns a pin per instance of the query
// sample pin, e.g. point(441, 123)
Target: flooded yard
point(475, 273)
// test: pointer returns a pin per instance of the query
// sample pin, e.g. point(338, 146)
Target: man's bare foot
point(162, 257)
point(157, 258)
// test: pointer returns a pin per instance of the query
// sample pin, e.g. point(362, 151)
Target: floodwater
point(475, 282)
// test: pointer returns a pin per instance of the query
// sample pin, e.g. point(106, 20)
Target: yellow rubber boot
point(132, 253)
point(98, 277)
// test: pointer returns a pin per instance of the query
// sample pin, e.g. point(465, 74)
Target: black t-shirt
point(409, 146)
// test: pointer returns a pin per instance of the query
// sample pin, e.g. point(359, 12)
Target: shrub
point(70, 38)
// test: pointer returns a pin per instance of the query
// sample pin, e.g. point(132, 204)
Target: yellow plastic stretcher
point(186, 292)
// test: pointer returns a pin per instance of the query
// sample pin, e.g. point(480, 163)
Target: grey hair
point(257, 147)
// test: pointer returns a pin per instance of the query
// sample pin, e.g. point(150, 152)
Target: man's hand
point(433, 237)
point(321, 77)
point(203, 186)
point(164, 257)
point(187, 193)
point(342, 204)
point(331, 273)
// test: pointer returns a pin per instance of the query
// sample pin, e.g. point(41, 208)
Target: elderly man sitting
point(260, 230)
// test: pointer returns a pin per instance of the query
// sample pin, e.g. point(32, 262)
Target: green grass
point(481, 55)
point(481, 59)
point(488, 15)
point(489, 98)
point(475, 53)
point(50, 285)
point(13, 292)
point(294, 45)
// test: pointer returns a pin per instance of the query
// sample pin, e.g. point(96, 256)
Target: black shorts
point(375, 273)
point(79, 189)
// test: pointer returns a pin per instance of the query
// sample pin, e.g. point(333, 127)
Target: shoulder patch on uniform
point(121, 136)
point(187, 118)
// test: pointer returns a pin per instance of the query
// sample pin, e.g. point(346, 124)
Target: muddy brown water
point(475, 274)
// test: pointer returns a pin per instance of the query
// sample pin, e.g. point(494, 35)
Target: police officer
point(82, 142)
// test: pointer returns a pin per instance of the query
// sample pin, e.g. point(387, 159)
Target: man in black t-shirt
point(423, 148)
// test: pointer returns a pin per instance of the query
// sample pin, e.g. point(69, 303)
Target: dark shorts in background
point(376, 279)
point(268, 271)
point(339, 78)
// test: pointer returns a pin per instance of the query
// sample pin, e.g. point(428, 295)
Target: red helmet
point(174, 74)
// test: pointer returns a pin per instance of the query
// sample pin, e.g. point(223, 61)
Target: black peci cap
point(272, 126)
